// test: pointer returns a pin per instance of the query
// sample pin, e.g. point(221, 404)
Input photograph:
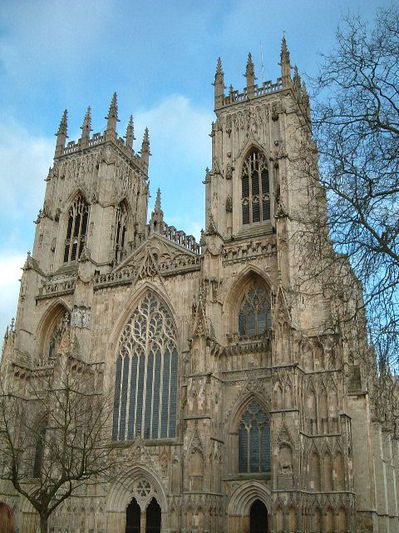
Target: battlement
point(252, 90)
point(124, 144)
point(267, 87)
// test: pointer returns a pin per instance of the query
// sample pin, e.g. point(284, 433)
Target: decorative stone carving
point(80, 317)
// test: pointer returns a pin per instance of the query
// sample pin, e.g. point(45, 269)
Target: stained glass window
point(255, 313)
point(255, 192)
point(146, 375)
point(77, 229)
point(254, 440)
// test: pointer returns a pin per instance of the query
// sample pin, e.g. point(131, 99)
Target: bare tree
point(54, 432)
point(356, 130)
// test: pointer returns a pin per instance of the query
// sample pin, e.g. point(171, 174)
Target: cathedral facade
point(239, 405)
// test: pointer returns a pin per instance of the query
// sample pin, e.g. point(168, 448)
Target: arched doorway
point(258, 517)
point(133, 517)
point(153, 517)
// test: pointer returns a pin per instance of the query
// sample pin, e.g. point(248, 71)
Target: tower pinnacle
point(145, 148)
point(250, 75)
point(62, 134)
point(285, 63)
point(157, 214)
point(130, 133)
point(86, 129)
point(112, 117)
point(219, 84)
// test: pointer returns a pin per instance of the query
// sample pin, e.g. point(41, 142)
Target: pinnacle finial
point(113, 107)
point(156, 222)
point(130, 133)
point(158, 200)
point(145, 148)
point(62, 134)
point(112, 117)
point(146, 138)
point(219, 68)
point(63, 127)
point(250, 64)
point(86, 127)
point(219, 84)
point(297, 78)
point(250, 75)
point(285, 63)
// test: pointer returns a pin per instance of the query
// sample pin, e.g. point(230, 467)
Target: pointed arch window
point(121, 215)
point(255, 313)
point(146, 375)
point(78, 216)
point(254, 440)
point(255, 191)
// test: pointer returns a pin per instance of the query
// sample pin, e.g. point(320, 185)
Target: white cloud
point(178, 128)
point(181, 149)
point(25, 160)
point(10, 268)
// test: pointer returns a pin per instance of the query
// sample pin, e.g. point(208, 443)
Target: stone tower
point(240, 400)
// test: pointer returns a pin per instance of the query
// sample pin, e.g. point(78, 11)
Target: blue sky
point(160, 57)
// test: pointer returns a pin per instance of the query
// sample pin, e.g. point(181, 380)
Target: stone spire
point(250, 75)
point(86, 129)
point(156, 222)
point(285, 64)
point(130, 133)
point(112, 118)
point(145, 148)
point(219, 84)
point(62, 134)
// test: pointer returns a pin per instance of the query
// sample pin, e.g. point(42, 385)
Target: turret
point(130, 133)
point(285, 64)
point(145, 148)
point(86, 129)
point(219, 85)
point(62, 135)
point(250, 75)
point(156, 222)
point(112, 119)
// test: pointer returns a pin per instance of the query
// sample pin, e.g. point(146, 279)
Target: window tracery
point(146, 375)
point(56, 335)
point(255, 192)
point(76, 230)
point(121, 215)
point(254, 440)
point(255, 313)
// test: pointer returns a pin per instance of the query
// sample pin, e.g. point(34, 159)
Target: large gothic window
point(254, 440)
point(77, 229)
point(255, 313)
point(120, 230)
point(146, 375)
point(255, 194)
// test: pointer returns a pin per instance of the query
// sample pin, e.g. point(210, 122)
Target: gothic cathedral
point(240, 403)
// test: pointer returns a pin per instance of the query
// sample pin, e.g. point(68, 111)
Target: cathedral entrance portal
point(258, 517)
point(143, 521)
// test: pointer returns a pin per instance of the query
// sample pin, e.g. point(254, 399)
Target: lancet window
point(146, 375)
point(255, 193)
point(254, 440)
point(77, 229)
point(255, 313)
point(120, 230)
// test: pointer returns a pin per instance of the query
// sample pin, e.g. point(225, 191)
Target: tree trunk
point(43, 524)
